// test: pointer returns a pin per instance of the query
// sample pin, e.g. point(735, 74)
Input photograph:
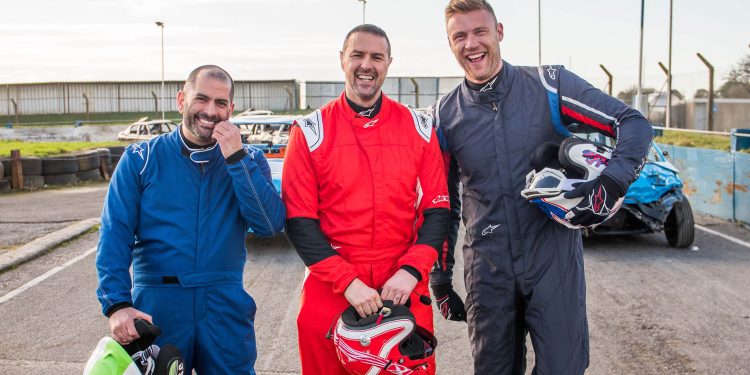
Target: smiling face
point(475, 38)
point(203, 104)
point(365, 61)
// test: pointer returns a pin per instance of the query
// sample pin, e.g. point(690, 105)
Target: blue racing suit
point(524, 272)
point(180, 217)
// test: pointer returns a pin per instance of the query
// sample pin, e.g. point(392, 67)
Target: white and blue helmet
point(558, 169)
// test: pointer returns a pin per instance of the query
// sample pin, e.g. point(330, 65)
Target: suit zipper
point(494, 106)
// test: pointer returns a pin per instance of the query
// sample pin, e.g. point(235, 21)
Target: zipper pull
point(494, 106)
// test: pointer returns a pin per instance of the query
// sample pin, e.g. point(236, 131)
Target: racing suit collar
point(360, 121)
point(197, 155)
point(498, 91)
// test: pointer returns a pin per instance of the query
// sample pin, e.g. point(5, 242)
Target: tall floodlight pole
point(364, 3)
point(639, 94)
point(669, 73)
point(161, 100)
point(539, 21)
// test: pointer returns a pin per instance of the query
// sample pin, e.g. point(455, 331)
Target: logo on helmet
point(389, 342)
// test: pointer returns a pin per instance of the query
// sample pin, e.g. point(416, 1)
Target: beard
point(193, 126)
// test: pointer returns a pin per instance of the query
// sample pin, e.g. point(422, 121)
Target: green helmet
point(109, 358)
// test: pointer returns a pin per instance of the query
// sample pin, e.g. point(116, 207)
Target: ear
point(180, 101)
point(341, 59)
point(231, 109)
point(500, 33)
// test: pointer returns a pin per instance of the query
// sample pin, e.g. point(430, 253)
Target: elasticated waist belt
point(187, 279)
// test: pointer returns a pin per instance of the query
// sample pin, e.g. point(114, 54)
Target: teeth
point(202, 121)
point(475, 56)
point(365, 77)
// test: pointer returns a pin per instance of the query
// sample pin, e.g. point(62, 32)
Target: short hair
point(371, 29)
point(466, 6)
point(214, 72)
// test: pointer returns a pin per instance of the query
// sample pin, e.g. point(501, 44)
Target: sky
point(117, 40)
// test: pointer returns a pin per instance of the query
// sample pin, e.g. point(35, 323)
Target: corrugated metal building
point(417, 92)
point(82, 97)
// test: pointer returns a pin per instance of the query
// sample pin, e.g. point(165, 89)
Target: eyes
point(221, 103)
point(361, 55)
point(461, 36)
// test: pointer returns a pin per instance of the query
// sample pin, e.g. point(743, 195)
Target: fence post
point(103, 167)
point(16, 176)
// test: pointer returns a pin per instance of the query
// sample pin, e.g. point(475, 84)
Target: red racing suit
point(365, 197)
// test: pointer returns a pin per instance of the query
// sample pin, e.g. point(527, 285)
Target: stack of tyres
point(32, 173)
point(4, 180)
point(60, 170)
point(116, 153)
point(88, 166)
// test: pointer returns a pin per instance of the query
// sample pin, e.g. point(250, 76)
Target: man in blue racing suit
point(523, 272)
point(177, 209)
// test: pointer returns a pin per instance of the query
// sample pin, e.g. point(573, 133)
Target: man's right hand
point(364, 299)
point(448, 302)
point(122, 326)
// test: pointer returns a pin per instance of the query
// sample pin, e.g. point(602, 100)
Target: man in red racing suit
point(367, 203)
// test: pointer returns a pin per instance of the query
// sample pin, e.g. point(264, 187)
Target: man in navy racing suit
point(178, 209)
point(523, 272)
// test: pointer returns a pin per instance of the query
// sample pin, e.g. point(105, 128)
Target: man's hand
point(122, 326)
point(364, 299)
point(399, 287)
point(227, 135)
point(601, 199)
point(448, 302)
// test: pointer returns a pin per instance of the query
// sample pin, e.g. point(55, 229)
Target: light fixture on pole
point(161, 100)
point(639, 93)
point(364, 3)
point(539, 22)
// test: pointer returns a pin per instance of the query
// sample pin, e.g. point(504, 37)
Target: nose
point(210, 108)
point(471, 42)
point(366, 63)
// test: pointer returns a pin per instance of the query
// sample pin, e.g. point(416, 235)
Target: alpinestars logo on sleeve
point(137, 150)
point(310, 124)
point(551, 71)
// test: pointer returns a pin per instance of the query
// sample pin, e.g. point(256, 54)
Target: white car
point(268, 129)
point(143, 129)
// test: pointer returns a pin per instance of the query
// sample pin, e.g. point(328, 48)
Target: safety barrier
point(716, 182)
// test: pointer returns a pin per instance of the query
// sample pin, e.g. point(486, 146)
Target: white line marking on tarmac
point(45, 276)
point(724, 236)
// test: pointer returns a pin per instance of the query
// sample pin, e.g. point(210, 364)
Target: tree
point(701, 93)
point(738, 81)
point(628, 94)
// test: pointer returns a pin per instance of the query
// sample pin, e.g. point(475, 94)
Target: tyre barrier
point(60, 169)
point(4, 186)
point(61, 179)
point(33, 182)
point(92, 175)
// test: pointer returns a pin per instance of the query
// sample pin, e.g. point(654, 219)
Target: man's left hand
point(399, 287)
point(227, 135)
point(601, 199)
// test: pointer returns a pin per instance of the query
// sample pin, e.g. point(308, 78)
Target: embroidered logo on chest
point(371, 124)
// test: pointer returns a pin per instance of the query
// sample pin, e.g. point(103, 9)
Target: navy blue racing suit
point(180, 217)
point(524, 272)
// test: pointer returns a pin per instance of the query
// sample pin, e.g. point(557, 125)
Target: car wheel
point(680, 225)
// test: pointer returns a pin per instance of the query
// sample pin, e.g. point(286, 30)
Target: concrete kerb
point(43, 244)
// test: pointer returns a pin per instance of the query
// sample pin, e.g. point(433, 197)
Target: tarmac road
point(652, 309)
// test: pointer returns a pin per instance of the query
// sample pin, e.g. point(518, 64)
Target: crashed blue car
point(654, 203)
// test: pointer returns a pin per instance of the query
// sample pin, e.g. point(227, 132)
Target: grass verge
point(42, 149)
